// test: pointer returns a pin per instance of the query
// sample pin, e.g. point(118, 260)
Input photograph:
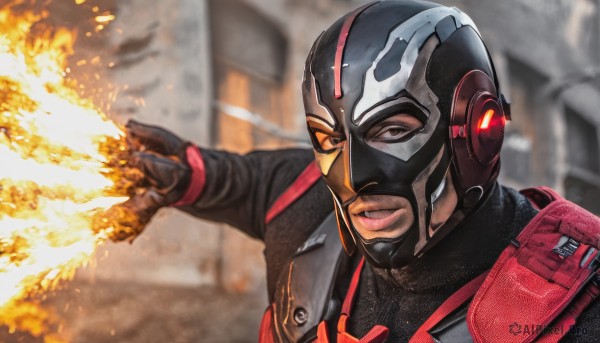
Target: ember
point(60, 166)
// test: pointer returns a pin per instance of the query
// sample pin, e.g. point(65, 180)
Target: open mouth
point(380, 215)
point(375, 219)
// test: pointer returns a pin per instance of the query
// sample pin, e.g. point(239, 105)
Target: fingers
point(127, 220)
point(167, 175)
point(148, 137)
point(155, 165)
point(120, 223)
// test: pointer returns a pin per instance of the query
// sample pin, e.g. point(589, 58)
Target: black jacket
point(240, 190)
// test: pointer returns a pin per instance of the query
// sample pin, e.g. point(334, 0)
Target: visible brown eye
point(392, 133)
point(395, 128)
point(328, 142)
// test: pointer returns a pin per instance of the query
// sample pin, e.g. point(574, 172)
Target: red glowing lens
point(487, 118)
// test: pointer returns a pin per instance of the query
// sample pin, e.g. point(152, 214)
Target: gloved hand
point(162, 159)
point(161, 156)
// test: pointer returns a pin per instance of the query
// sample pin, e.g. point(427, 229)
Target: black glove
point(160, 156)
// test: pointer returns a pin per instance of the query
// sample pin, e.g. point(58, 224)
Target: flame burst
point(59, 164)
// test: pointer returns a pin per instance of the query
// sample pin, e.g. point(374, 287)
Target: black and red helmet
point(413, 57)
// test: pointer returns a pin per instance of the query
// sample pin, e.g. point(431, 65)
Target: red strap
point(198, 178)
point(342, 335)
point(377, 334)
point(305, 180)
point(450, 305)
point(349, 300)
point(322, 333)
point(265, 334)
point(541, 196)
point(567, 320)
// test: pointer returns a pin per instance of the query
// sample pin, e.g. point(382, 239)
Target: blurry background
point(226, 74)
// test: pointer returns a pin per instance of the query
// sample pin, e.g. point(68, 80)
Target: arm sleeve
point(240, 189)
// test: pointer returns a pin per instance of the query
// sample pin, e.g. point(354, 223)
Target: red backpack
point(541, 282)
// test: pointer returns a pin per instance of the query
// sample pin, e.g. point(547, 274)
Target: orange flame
point(57, 164)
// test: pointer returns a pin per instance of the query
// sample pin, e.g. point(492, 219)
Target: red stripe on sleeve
point(198, 178)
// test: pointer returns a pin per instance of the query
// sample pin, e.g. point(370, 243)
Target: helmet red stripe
point(339, 53)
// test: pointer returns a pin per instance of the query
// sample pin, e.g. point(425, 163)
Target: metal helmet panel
point(412, 57)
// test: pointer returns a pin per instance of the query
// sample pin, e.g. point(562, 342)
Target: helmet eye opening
point(395, 129)
point(327, 142)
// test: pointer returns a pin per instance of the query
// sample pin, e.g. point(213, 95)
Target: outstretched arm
point(240, 189)
point(215, 185)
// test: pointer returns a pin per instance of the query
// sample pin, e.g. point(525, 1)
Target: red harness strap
point(569, 317)
point(377, 334)
point(303, 182)
point(465, 293)
point(265, 333)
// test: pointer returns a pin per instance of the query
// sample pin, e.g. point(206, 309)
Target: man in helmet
point(406, 119)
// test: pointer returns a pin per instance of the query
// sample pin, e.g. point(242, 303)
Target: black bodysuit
point(240, 190)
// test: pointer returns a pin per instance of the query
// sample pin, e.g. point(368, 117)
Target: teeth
point(377, 214)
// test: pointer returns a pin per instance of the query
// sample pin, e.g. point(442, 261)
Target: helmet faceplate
point(387, 58)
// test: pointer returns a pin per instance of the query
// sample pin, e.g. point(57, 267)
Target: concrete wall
point(166, 57)
point(157, 57)
point(162, 69)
